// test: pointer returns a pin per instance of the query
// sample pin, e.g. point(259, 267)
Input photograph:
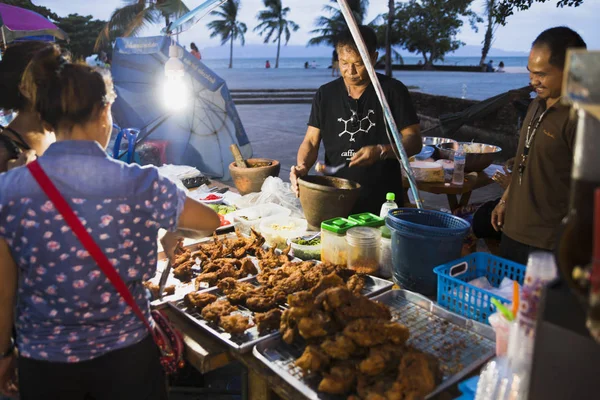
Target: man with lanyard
point(534, 204)
point(347, 117)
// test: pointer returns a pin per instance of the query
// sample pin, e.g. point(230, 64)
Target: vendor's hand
point(366, 156)
point(296, 172)
point(24, 158)
point(8, 376)
point(502, 179)
point(169, 243)
point(498, 216)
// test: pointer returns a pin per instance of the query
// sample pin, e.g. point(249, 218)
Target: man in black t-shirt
point(347, 117)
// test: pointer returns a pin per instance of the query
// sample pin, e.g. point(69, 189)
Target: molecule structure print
point(364, 125)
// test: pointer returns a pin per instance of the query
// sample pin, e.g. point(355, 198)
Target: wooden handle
point(237, 156)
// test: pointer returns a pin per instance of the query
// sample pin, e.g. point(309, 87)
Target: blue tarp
point(200, 135)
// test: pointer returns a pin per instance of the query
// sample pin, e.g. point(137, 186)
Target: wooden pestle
point(237, 156)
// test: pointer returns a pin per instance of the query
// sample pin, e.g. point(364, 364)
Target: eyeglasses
point(355, 118)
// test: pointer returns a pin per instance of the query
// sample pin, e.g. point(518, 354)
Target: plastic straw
point(503, 310)
point(364, 53)
point(515, 304)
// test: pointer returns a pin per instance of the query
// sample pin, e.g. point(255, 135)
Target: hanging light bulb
point(175, 92)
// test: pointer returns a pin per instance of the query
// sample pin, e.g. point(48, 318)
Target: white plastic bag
point(273, 190)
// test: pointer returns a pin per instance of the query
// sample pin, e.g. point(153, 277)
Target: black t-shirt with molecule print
point(348, 124)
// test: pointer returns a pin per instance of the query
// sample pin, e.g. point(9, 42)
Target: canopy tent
point(18, 24)
point(201, 134)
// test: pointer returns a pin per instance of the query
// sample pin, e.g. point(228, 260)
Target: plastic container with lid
point(364, 249)
point(367, 219)
point(251, 217)
point(333, 240)
point(278, 229)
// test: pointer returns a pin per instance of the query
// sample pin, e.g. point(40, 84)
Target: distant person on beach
point(306, 65)
point(313, 64)
point(195, 52)
point(420, 62)
point(490, 66)
point(347, 117)
point(335, 64)
point(501, 67)
point(535, 202)
point(267, 64)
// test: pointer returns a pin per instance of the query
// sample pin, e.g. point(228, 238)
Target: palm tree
point(229, 28)
point(273, 22)
point(492, 24)
point(329, 27)
point(130, 19)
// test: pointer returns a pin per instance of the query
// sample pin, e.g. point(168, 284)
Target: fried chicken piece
point(154, 288)
point(265, 299)
point(340, 347)
point(227, 271)
point(199, 300)
point(184, 271)
point(236, 292)
point(210, 278)
point(369, 332)
point(318, 324)
point(380, 359)
point(291, 284)
point(313, 359)
point(327, 282)
point(269, 321)
point(418, 375)
point(339, 380)
point(287, 327)
point(347, 306)
point(247, 268)
point(214, 311)
point(300, 299)
point(234, 324)
point(356, 283)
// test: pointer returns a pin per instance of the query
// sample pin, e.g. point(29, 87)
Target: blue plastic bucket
point(421, 241)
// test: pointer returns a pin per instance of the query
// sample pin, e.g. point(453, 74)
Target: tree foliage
point(135, 15)
point(328, 27)
point(273, 24)
point(429, 27)
point(229, 28)
point(82, 31)
point(506, 8)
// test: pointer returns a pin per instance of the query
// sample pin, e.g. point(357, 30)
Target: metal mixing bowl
point(474, 162)
point(434, 141)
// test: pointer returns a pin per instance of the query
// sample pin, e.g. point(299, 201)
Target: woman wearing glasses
point(347, 117)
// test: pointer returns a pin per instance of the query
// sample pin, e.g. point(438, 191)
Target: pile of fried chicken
point(224, 258)
point(265, 301)
point(355, 348)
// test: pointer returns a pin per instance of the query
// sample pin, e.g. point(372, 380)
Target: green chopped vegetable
point(312, 242)
point(222, 209)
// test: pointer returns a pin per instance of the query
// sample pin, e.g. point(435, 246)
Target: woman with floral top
point(76, 337)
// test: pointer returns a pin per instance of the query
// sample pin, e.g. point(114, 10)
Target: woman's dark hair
point(64, 93)
point(368, 34)
point(558, 40)
point(193, 46)
point(15, 59)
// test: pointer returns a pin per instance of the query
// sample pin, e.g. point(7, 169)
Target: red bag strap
point(86, 239)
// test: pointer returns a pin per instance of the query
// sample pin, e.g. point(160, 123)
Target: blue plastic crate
point(456, 295)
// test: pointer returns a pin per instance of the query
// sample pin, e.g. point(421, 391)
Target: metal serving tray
point(461, 345)
point(244, 343)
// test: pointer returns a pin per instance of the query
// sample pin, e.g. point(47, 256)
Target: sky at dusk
point(521, 30)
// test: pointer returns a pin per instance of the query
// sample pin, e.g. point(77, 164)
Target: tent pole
point(364, 53)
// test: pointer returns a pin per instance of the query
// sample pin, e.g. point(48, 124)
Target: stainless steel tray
point(244, 343)
point(241, 343)
point(461, 344)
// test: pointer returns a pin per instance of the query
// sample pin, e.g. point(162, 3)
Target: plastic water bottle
point(459, 166)
point(390, 204)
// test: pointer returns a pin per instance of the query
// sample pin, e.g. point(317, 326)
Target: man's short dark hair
point(369, 36)
point(558, 40)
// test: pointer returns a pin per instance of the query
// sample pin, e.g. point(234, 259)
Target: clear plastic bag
point(273, 190)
